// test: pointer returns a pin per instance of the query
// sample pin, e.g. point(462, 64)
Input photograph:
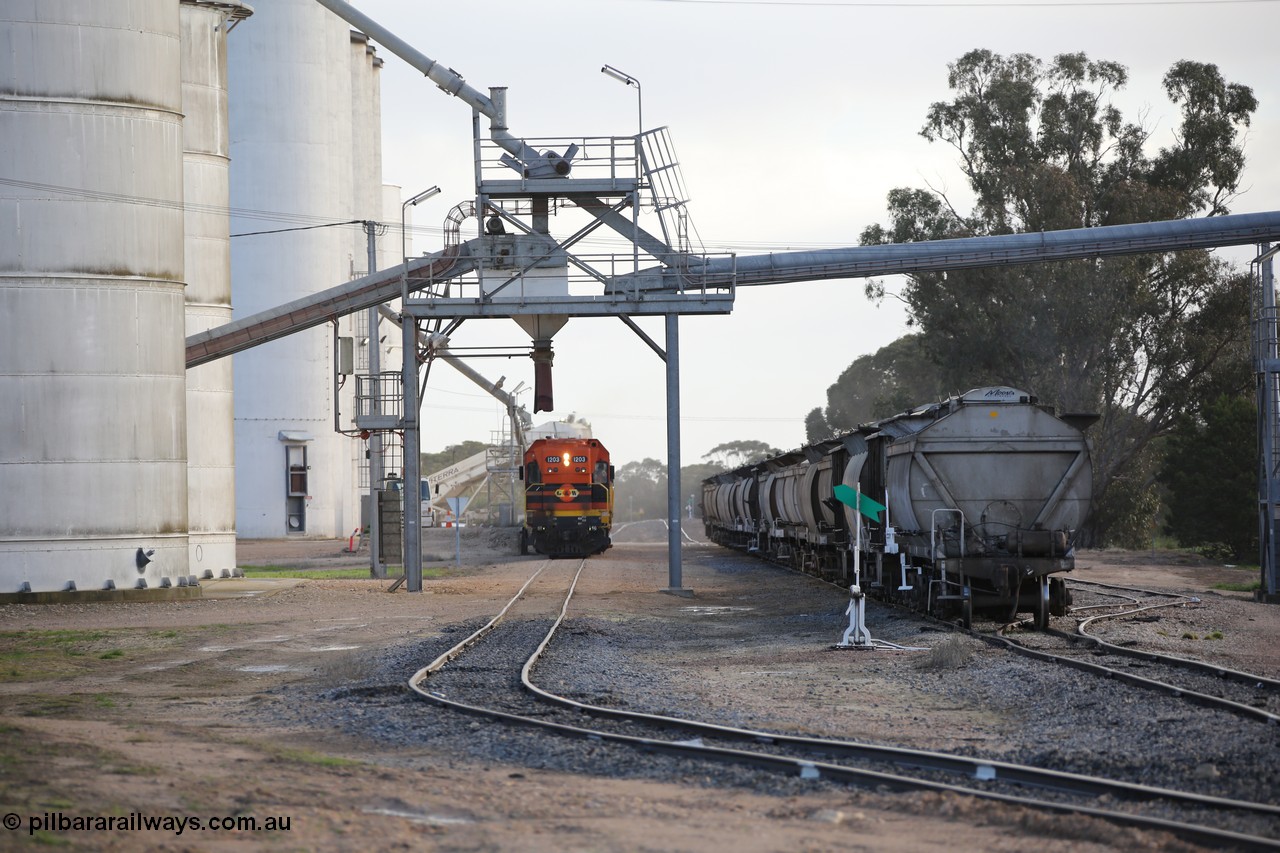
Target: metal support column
point(412, 445)
point(1266, 350)
point(675, 582)
point(377, 568)
point(410, 416)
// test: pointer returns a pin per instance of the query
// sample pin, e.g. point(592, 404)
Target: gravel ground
point(764, 662)
point(295, 702)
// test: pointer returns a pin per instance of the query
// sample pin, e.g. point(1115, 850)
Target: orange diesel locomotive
point(568, 497)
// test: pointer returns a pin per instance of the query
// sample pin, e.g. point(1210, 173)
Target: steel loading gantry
point(517, 269)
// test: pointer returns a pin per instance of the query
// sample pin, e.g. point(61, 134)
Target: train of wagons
point(982, 495)
point(568, 497)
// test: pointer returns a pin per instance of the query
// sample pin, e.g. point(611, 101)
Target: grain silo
point(290, 82)
point(92, 371)
point(211, 503)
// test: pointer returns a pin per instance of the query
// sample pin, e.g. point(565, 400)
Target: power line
point(307, 221)
point(604, 416)
point(300, 228)
point(963, 5)
point(695, 418)
point(302, 219)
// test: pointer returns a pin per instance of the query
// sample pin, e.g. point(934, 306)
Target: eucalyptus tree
point(894, 378)
point(1135, 339)
point(731, 454)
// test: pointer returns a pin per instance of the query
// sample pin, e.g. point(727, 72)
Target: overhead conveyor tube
point(519, 421)
point(476, 376)
point(963, 253)
point(310, 311)
point(447, 79)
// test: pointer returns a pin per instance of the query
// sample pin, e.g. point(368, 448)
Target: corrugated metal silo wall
point(211, 504)
point(92, 372)
point(290, 121)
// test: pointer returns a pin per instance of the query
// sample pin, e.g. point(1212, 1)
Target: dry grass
point(950, 653)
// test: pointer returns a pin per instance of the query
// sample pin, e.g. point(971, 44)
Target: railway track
point(1209, 685)
point(489, 674)
point(1196, 681)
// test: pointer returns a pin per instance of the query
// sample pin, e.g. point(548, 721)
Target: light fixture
point(423, 196)
point(430, 192)
point(620, 75)
point(627, 79)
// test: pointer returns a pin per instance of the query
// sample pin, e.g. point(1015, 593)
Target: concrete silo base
point(175, 593)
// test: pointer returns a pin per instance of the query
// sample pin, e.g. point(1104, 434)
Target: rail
point(983, 773)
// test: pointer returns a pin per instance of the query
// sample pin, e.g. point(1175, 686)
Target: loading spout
point(449, 81)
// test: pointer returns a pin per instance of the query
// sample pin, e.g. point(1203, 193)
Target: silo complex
point(211, 503)
point(93, 438)
point(292, 167)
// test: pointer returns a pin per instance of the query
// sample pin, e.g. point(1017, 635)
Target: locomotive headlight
point(566, 459)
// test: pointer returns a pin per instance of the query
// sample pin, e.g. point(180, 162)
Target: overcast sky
point(791, 122)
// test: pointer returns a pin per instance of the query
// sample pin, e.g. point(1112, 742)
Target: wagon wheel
point(1042, 605)
point(1059, 597)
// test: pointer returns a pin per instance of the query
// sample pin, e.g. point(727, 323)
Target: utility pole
point(377, 568)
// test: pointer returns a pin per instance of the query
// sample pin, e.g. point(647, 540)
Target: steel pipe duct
point(962, 253)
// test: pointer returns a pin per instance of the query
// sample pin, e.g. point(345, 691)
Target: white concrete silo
point(366, 327)
point(211, 505)
point(92, 370)
point(291, 153)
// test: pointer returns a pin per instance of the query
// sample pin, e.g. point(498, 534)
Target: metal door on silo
point(295, 456)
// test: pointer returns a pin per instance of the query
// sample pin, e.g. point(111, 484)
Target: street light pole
point(674, 556)
point(409, 419)
point(628, 80)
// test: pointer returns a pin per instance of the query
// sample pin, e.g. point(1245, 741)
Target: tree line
point(641, 486)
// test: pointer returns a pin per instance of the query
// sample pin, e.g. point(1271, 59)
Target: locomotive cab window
point(532, 474)
point(601, 473)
